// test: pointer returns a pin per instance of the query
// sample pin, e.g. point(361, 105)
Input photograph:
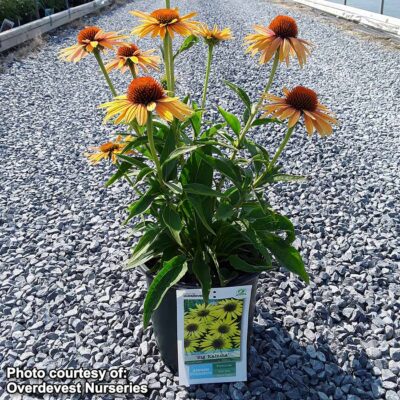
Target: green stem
point(255, 111)
point(153, 150)
point(132, 68)
point(207, 77)
point(169, 64)
point(97, 55)
point(276, 156)
point(167, 4)
point(253, 114)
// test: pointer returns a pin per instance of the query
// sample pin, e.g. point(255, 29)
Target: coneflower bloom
point(131, 56)
point(145, 94)
point(298, 102)
point(90, 38)
point(108, 150)
point(164, 20)
point(281, 35)
point(214, 35)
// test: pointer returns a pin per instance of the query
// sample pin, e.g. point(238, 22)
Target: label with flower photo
point(212, 337)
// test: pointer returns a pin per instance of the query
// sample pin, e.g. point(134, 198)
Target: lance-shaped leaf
point(200, 189)
point(231, 119)
point(286, 255)
point(123, 168)
point(187, 44)
point(240, 92)
point(141, 205)
point(171, 273)
point(182, 150)
point(196, 203)
point(201, 269)
point(242, 265)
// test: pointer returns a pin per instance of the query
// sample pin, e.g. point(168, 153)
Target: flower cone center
point(230, 307)
point(223, 329)
point(284, 26)
point(203, 313)
point(192, 327)
point(218, 343)
point(109, 147)
point(127, 51)
point(165, 15)
point(144, 90)
point(302, 98)
point(88, 34)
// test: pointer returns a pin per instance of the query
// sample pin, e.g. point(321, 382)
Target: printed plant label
point(212, 338)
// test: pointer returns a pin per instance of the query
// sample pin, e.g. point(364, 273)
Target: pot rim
point(144, 271)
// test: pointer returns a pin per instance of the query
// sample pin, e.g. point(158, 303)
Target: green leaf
point(203, 190)
point(241, 265)
point(141, 205)
point(136, 161)
point(172, 219)
point(171, 272)
point(202, 271)
point(182, 150)
point(231, 120)
point(122, 169)
point(175, 187)
point(198, 208)
point(225, 166)
point(187, 44)
point(224, 211)
point(286, 255)
point(288, 178)
point(240, 92)
point(265, 121)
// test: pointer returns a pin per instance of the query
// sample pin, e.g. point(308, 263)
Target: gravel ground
point(65, 301)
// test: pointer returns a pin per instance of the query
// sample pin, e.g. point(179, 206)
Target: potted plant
point(201, 207)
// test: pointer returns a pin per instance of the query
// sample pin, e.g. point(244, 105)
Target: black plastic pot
point(164, 318)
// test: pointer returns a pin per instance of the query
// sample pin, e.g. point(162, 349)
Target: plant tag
point(212, 338)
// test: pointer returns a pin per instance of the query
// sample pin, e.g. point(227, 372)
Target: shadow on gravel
point(290, 370)
point(281, 368)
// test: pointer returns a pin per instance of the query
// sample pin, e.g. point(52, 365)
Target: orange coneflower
point(214, 35)
point(298, 102)
point(145, 94)
point(90, 38)
point(131, 56)
point(108, 150)
point(281, 35)
point(164, 20)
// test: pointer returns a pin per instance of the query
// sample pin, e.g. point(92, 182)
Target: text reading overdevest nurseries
point(82, 381)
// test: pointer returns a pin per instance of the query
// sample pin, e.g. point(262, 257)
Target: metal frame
point(382, 5)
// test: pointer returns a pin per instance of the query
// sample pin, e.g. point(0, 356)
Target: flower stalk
point(132, 68)
point(169, 64)
point(97, 55)
point(207, 76)
point(276, 156)
point(153, 151)
point(256, 108)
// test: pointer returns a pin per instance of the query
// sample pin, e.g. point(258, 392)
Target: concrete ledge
point(33, 29)
point(378, 21)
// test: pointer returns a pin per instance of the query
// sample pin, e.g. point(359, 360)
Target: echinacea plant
point(201, 184)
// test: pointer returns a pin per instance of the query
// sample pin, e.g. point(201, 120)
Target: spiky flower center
point(165, 15)
point(144, 90)
point(192, 327)
point(127, 51)
point(109, 147)
point(187, 342)
point(284, 26)
point(223, 328)
point(203, 313)
point(229, 307)
point(88, 34)
point(302, 98)
point(218, 343)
